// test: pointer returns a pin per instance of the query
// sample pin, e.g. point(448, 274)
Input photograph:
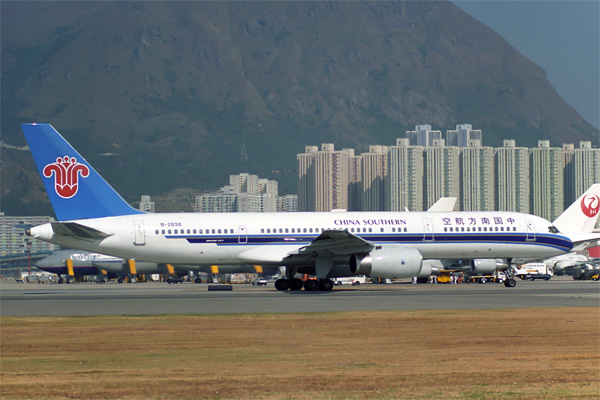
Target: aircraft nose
point(45, 262)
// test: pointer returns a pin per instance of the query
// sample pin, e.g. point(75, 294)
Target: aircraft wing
point(78, 230)
point(584, 241)
point(331, 243)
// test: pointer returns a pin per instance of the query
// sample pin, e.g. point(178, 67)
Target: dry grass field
point(490, 354)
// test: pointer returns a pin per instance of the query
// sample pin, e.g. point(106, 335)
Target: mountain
point(162, 96)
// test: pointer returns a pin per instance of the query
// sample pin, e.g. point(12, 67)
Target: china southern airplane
point(92, 216)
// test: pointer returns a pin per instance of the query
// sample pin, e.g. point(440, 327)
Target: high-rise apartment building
point(423, 135)
point(323, 178)
point(306, 178)
point(244, 183)
point(463, 135)
point(287, 203)
point(404, 183)
point(355, 187)
point(583, 170)
point(477, 177)
point(374, 171)
point(546, 173)
point(567, 165)
point(512, 177)
point(441, 173)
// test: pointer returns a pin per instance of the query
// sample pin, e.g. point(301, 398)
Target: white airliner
point(93, 217)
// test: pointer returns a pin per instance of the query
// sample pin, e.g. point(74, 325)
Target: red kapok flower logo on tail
point(66, 175)
point(590, 205)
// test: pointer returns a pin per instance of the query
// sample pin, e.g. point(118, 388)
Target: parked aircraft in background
point(579, 220)
point(70, 264)
point(93, 217)
point(121, 266)
point(560, 264)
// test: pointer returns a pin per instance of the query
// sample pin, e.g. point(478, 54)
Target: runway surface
point(87, 299)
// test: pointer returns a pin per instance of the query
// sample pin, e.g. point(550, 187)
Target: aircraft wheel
point(282, 284)
point(311, 285)
point(296, 284)
point(510, 282)
point(325, 285)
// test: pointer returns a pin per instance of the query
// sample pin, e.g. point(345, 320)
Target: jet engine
point(388, 262)
point(484, 266)
point(429, 267)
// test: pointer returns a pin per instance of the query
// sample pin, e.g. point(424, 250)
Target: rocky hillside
point(160, 96)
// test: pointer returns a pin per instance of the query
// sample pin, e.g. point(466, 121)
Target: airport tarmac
point(151, 298)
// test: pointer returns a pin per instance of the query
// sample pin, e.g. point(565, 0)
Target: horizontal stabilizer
point(78, 230)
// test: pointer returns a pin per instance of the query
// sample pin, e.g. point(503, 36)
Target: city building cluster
point(422, 167)
point(246, 193)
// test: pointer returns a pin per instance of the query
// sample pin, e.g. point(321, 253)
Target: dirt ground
point(490, 354)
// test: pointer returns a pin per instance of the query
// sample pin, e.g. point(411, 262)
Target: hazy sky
point(562, 36)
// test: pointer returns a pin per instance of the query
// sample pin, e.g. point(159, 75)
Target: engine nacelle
point(484, 266)
point(388, 262)
point(429, 267)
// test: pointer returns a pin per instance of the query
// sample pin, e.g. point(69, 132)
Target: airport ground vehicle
point(444, 277)
point(174, 279)
point(533, 271)
point(352, 280)
point(260, 281)
point(496, 278)
point(586, 271)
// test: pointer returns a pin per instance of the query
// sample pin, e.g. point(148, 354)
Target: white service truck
point(533, 271)
point(352, 280)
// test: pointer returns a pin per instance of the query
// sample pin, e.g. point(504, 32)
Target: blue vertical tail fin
point(75, 189)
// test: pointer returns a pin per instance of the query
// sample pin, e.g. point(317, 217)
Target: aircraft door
point(530, 230)
point(427, 229)
point(242, 234)
point(139, 233)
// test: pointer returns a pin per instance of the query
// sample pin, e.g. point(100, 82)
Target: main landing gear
point(310, 285)
point(510, 275)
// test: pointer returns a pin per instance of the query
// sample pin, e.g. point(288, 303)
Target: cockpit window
point(553, 229)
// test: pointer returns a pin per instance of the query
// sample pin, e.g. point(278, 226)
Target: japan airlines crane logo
point(66, 175)
point(590, 205)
